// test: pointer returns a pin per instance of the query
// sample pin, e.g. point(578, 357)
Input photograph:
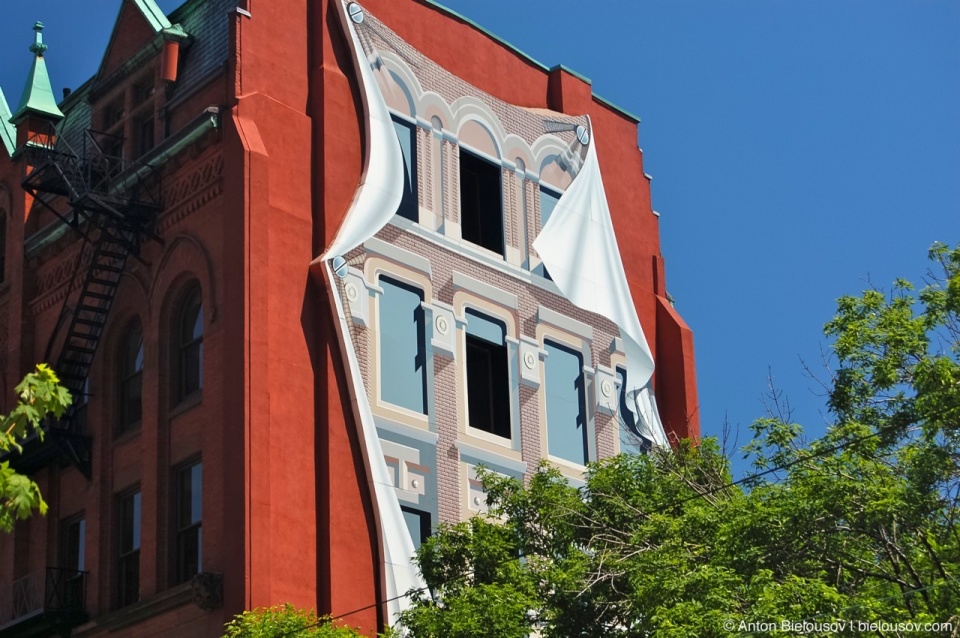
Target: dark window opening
point(418, 522)
point(113, 113)
point(488, 382)
point(189, 539)
point(73, 539)
point(144, 91)
point(566, 407)
point(190, 345)
point(409, 206)
point(481, 202)
point(143, 136)
point(131, 379)
point(403, 346)
point(128, 572)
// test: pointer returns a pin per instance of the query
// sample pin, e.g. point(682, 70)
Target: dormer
point(128, 91)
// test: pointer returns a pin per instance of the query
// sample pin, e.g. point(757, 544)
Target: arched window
point(130, 378)
point(189, 343)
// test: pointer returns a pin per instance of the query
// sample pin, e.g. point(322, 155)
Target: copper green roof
point(8, 132)
point(157, 19)
point(37, 93)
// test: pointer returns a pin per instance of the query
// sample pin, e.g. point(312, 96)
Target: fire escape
point(112, 203)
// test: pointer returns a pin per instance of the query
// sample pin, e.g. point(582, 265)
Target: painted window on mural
point(418, 522)
point(403, 348)
point(189, 538)
point(481, 202)
point(128, 572)
point(406, 133)
point(548, 201)
point(488, 383)
point(566, 408)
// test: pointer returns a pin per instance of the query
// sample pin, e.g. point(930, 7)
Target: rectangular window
point(112, 114)
point(630, 440)
point(143, 136)
point(566, 407)
point(488, 382)
point(73, 539)
point(481, 202)
point(418, 522)
point(128, 576)
point(189, 540)
point(409, 206)
point(403, 346)
point(548, 201)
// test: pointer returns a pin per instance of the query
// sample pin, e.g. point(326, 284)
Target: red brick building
point(270, 380)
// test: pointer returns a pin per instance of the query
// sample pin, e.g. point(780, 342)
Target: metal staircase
point(113, 204)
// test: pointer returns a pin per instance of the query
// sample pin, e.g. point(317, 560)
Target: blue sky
point(800, 151)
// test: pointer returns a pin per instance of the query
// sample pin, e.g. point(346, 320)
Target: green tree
point(38, 395)
point(285, 621)
point(858, 525)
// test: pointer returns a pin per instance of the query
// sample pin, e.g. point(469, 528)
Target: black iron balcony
point(47, 602)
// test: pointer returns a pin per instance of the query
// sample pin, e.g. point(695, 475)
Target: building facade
point(305, 270)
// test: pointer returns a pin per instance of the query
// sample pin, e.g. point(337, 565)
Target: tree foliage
point(38, 395)
point(285, 621)
point(858, 525)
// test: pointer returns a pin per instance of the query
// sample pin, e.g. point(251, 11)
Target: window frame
point(500, 411)
point(65, 555)
point(492, 165)
point(128, 560)
point(182, 389)
point(128, 375)
point(410, 202)
point(182, 529)
point(551, 342)
point(397, 281)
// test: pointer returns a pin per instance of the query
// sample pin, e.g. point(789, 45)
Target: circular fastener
point(606, 388)
point(340, 266)
point(355, 11)
point(529, 360)
point(415, 483)
point(583, 135)
point(352, 292)
point(443, 326)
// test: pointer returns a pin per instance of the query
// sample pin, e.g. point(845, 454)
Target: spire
point(37, 93)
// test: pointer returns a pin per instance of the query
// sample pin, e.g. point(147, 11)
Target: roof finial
point(38, 47)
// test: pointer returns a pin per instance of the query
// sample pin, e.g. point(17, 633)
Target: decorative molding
point(554, 318)
point(485, 290)
point(399, 255)
point(191, 191)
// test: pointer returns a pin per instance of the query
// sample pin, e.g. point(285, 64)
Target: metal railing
point(53, 590)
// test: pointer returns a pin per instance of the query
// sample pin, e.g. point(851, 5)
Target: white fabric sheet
point(375, 202)
point(579, 248)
